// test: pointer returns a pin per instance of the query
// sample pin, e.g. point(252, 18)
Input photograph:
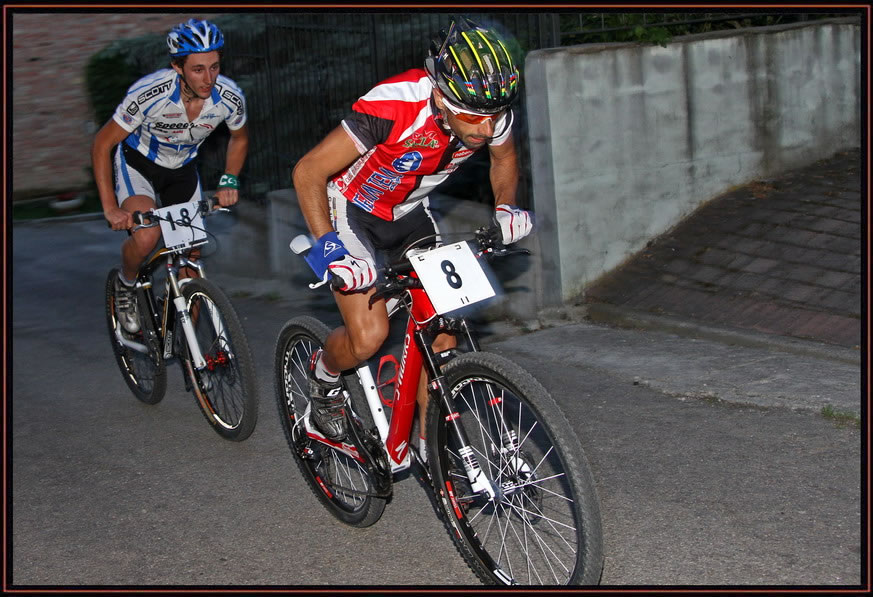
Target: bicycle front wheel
point(140, 360)
point(536, 519)
point(225, 387)
point(341, 483)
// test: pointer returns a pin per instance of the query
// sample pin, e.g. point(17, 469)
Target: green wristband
point(228, 181)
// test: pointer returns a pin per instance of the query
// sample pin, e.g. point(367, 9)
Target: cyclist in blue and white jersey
point(148, 146)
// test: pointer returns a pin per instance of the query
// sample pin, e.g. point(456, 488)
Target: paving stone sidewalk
point(780, 256)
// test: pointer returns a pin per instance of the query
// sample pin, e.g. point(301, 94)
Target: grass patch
point(841, 418)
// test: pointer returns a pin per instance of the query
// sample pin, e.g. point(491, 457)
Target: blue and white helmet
point(193, 37)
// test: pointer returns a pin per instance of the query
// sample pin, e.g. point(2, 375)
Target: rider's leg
point(365, 329)
point(138, 245)
point(364, 332)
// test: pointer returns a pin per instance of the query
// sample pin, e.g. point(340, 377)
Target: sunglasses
point(470, 117)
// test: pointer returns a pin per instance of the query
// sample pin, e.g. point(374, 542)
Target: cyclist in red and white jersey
point(149, 144)
point(363, 189)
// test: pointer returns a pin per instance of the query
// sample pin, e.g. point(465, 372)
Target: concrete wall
point(628, 139)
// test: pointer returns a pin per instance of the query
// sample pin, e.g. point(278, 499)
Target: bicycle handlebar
point(488, 244)
point(148, 219)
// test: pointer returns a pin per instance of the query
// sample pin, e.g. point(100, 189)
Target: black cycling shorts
point(135, 174)
point(381, 241)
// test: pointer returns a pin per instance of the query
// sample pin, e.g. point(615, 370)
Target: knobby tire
point(145, 374)
point(225, 388)
point(340, 483)
point(544, 526)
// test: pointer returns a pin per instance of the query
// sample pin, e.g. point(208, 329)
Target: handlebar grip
point(138, 219)
point(207, 204)
point(336, 283)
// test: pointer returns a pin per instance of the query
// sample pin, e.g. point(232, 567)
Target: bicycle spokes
point(524, 526)
point(336, 472)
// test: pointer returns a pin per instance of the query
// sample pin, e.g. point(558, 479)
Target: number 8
point(452, 277)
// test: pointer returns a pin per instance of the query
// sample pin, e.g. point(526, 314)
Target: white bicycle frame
point(174, 289)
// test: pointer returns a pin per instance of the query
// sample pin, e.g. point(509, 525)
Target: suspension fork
point(479, 481)
point(184, 316)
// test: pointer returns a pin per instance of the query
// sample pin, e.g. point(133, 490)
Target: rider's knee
point(146, 239)
point(366, 340)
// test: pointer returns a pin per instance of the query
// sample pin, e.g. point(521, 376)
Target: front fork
point(182, 309)
point(479, 481)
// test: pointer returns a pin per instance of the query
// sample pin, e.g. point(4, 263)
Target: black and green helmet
point(472, 67)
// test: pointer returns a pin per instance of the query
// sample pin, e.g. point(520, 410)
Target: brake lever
point(393, 286)
point(387, 289)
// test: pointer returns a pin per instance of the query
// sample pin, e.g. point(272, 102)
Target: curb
point(60, 219)
point(629, 318)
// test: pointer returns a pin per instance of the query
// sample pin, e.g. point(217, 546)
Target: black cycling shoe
point(328, 405)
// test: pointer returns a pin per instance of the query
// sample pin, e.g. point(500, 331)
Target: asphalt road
point(107, 491)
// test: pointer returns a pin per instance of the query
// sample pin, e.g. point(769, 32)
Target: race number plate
point(184, 228)
point(452, 277)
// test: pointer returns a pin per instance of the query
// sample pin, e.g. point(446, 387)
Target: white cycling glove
point(356, 273)
point(514, 223)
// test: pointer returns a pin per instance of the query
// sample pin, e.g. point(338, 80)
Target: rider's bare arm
point(332, 154)
point(110, 135)
point(237, 149)
point(504, 172)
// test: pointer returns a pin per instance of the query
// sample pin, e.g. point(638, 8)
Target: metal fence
point(301, 73)
point(578, 28)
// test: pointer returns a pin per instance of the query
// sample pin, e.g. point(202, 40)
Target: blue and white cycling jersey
point(154, 114)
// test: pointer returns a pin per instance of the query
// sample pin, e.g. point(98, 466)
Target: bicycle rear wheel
point(341, 483)
point(140, 361)
point(225, 387)
point(542, 525)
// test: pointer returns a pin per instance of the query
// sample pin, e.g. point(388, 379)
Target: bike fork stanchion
point(478, 479)
point(185, 318)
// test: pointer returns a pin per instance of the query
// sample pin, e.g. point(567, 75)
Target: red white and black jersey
point(405, 150)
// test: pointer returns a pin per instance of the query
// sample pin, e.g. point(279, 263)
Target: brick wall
point(52, 125)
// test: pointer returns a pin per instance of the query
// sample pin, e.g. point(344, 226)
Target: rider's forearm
point(237, 149)
point(504, 179)
point(311, 189)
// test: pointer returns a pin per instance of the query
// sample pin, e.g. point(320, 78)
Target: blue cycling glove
point(329, 256)
point(326, 250)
